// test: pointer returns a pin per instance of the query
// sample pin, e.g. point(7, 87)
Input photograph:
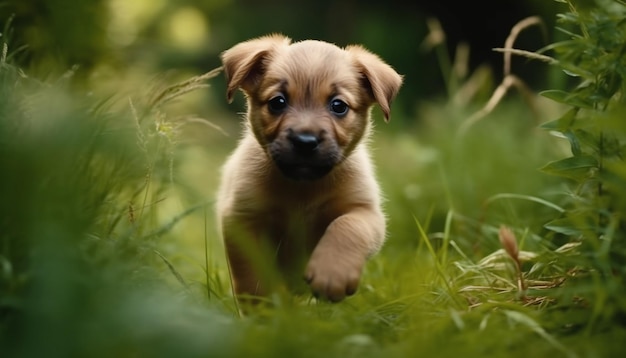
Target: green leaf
point(555, 95)
point(573, 142)
point(562, 124)
point(576, 167)
point(588, 140)
point(574, 224)
point(563, 226)
point(566, 98)
point(576, 71)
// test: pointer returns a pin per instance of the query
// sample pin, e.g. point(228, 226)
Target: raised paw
point(333, 277)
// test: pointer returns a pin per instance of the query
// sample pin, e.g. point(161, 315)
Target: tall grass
point(80, 222)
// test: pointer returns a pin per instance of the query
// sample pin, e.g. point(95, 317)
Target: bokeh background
point(122, 47)
point(116, 37)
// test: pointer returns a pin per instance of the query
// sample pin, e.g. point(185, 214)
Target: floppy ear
point(244, 63)
point(383, 81)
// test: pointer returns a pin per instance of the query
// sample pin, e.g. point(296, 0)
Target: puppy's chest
point(299, 222)
point(295, 233)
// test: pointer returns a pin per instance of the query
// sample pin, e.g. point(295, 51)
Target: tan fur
point(312, 212)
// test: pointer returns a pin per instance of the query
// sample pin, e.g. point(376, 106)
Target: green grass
point(107, 222)
point(108, 246)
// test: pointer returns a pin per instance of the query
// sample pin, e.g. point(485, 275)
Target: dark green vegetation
point(507, 227)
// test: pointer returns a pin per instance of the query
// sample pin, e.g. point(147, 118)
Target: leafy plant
point(577, 263)
point(593, 56)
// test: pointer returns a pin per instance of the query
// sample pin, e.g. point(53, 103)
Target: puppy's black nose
point(304, 142)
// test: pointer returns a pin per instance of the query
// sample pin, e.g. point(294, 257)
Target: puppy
point(298, 196)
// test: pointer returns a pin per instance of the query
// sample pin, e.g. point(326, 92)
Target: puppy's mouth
point(304, 156)
point(303, 171)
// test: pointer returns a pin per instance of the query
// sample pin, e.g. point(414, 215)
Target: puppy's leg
point(244, 259)
point(246, 283)
point(335, 266)
point(252, 258)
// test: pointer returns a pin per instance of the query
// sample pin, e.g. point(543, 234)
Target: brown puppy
point(299, 194)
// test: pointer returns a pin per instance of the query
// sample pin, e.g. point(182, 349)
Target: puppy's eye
point(339, 107)
point(277, 104)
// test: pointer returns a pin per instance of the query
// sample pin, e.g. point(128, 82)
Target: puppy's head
point(308, 102)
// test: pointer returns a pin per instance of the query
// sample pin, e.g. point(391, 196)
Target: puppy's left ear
point(383, 81)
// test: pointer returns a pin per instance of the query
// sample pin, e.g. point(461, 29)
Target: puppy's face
point(308, 102)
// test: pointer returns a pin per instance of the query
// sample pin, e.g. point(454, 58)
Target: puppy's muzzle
point(304, 143)
point(304, 155)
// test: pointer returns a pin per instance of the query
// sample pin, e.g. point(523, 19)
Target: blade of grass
point(524, 197)
point(446, 237)
point(206, 255)
point(536, 327)
point(438, 264)
point(173, 270)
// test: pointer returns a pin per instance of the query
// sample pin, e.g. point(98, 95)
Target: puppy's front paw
point(333, 276)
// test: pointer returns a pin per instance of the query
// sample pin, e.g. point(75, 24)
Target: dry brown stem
point(509, 79)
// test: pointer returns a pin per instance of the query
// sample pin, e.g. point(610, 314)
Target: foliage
point(575, 263)
point(79, 221)
point(593, 55)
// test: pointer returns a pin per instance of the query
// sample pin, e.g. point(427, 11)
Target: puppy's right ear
point(244, 63)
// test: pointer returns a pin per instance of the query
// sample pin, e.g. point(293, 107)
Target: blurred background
point(115, 38)
point(443, 48)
